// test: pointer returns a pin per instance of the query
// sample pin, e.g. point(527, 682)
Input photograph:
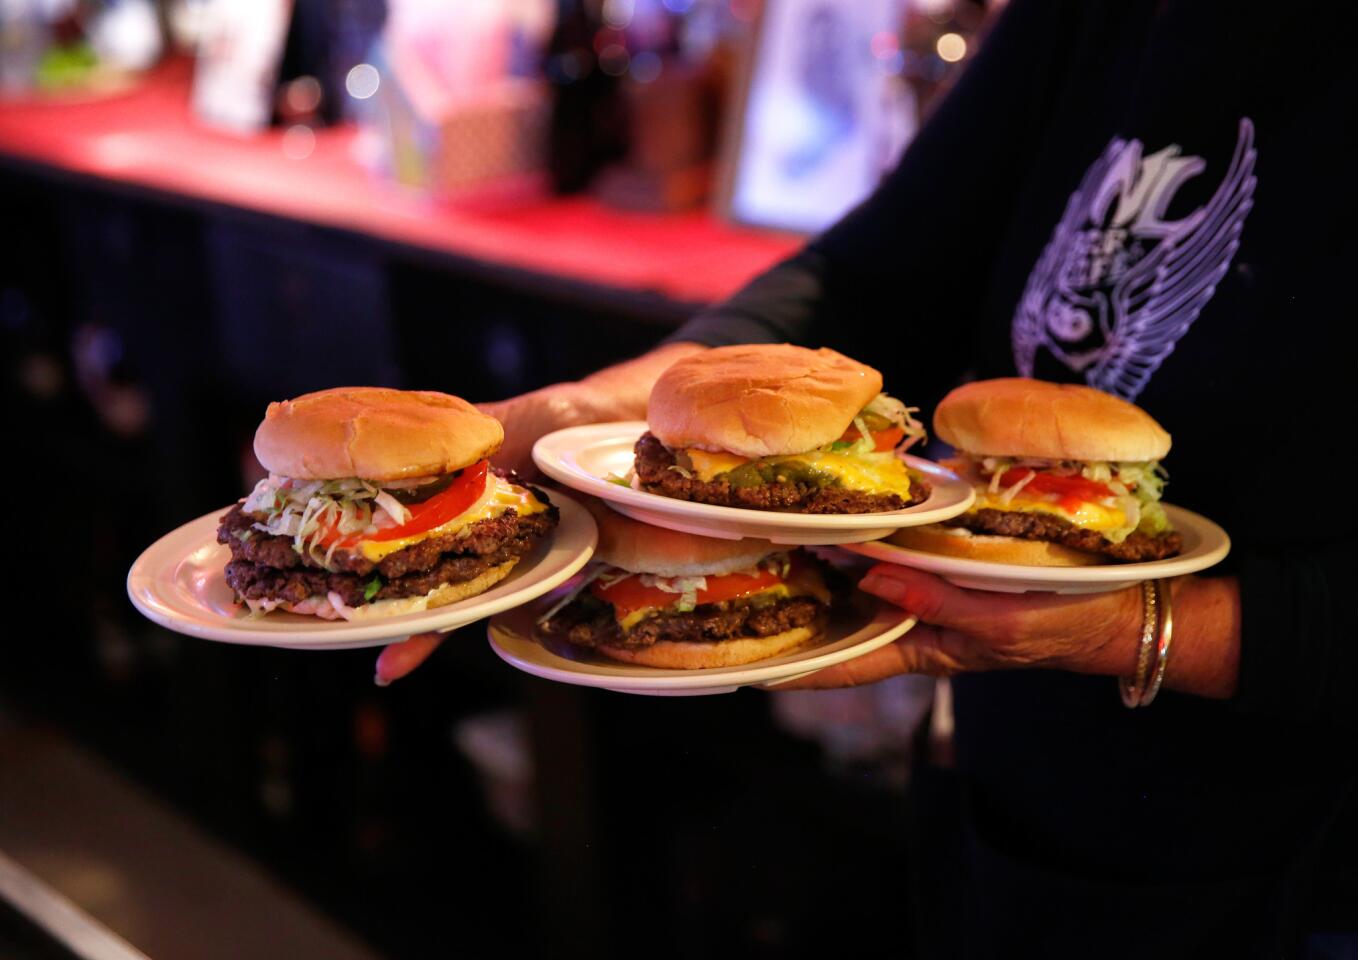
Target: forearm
point(620, 392)
point(617, 393)
point(1205, 650)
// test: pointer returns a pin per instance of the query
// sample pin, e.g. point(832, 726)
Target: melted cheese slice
point(503, 496)
point(883, 475)
point(887, 475)
point(1090, 516)
point(707, 465)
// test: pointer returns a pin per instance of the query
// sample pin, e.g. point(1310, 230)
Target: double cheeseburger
point(660, 598)
point(1065, 475)
point(778, 427)
point(378, 502)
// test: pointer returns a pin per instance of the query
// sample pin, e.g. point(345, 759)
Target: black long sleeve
point(897, 275)
point(1086, 144)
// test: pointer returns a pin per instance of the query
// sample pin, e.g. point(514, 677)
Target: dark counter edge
point(649, 307)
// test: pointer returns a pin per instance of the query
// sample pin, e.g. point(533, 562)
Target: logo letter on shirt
point(1143, 277)
point(1145, 188)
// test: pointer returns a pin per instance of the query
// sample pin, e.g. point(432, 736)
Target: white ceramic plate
point(858, 628)
point(1205, 545)
point(179, 582)
point(581, 457)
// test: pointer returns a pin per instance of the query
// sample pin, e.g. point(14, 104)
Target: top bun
point(759, 401)
point(640, 548)
point(374, 433)
point(1018, 417)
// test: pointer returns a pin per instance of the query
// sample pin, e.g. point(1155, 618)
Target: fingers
point(1011, 629)
point(922, 650)
point(923, 594)
point(401, 658)
point(934, 600)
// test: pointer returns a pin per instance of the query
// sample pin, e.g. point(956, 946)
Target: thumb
point(400, 659)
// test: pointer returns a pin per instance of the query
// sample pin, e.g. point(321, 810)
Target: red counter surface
point(147, 138)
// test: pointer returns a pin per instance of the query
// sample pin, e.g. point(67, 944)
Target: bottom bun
point(453, 592)
point(957, 542)
point(672, 655)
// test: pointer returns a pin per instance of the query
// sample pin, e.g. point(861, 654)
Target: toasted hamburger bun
point(1018, 417)
point(641, 548)
point(374, 433)
point(670, 655)
point(759, 400)
point(957, 542)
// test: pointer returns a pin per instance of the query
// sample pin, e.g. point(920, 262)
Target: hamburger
point(778, 427)
point(660, 598)
point(1065, 475)
point(378, 502)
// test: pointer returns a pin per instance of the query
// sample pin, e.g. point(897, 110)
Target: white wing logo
point(1111, 296)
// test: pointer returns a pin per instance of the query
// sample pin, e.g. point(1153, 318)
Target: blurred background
point(206, 205)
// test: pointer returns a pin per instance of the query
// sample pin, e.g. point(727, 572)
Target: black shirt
point(1154, 198)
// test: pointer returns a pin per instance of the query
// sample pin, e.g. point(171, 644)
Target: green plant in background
point(66, 65)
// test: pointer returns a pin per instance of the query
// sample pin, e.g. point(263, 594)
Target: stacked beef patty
point(266, 567)
point(588, 622)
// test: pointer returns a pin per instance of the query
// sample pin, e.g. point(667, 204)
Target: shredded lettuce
point(1137, 487)
point(686, 587)
point(305, 510)
point(673, 584)
point(595, 571)
point(882, 407)
point(1014, 489)
point(1140, 486)
point(889, 408)
point(395, 508)
point(779, 564)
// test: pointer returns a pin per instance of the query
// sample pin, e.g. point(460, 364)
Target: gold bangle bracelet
point(1134, 690)
point(1164, 634)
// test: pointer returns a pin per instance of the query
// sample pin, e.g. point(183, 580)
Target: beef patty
point(266, 567)
point(654, 460)
point(1043, 526)
point(588, 622)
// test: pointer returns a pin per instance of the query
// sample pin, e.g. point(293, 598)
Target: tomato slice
point(883, 440)
point(631, 594)
point(442, 506)
point(1071, 491)
point(434, 512)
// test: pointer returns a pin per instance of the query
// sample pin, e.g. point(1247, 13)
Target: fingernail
point(380, 680)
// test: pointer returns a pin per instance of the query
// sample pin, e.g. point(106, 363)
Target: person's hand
point(399, 659)
point(530, 416)
point(964, 630)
